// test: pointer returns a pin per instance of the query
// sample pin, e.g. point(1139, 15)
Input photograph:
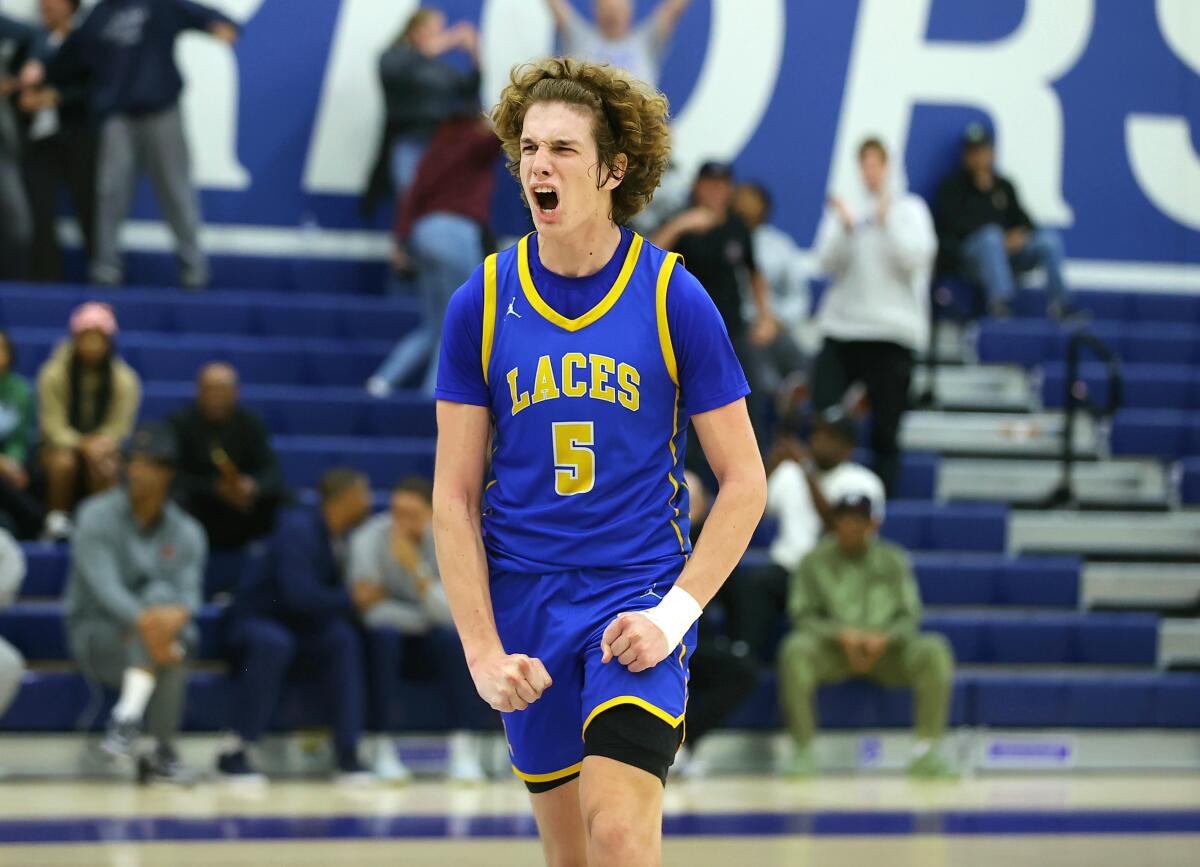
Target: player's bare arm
point(505, 681)
point(642, 640)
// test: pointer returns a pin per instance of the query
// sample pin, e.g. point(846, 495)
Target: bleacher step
point(1179, 643)
point(977, 387)
point(1135, 534)
point(1129, 482)
point(995, 434)
point(1156, 586)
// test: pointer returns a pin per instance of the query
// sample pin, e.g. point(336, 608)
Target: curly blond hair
point(628, 117)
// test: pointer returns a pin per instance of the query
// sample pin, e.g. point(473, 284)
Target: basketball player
point(569, 571)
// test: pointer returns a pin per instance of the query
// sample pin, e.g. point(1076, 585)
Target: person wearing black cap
point(719, 249)
point(135, 582)
point(987, 236)
point(856, 612)
point(801, 482)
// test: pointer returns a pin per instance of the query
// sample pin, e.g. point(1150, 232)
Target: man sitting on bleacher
point(394, 575)
point(800, 484)
point(856, 611)
point(295, 610)
point(137, 566)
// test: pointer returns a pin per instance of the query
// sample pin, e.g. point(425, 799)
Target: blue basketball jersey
point(587, 463)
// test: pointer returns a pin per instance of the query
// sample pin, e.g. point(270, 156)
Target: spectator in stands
point(721, 675)
point(295, 611)
point(135, 583)
point(12, 573)
point(88, 400)
point(127, 48)
point(229, 477)
point(719, 252)
point(801, 483)
point(60, 150)
point(421, 89)
point(19, 510)
point(442, 221)
point(879, 249)
point(614, 39)
point(16, 223)
point(987, 236)
point(856, 610)
point(394, 579)
point(783, 267)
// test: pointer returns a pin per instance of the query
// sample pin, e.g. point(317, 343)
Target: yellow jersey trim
point(547, 778)
point(664, 330)
point(637, 701)
point(668, 354)
point(606, 303)
point(489, 312)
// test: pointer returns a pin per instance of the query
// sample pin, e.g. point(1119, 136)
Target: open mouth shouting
point(546, 200)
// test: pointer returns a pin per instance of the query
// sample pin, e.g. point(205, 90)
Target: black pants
point(886, 370)
point(755, 599)
point(20, 512)
point(68, 159)
point(718, 682)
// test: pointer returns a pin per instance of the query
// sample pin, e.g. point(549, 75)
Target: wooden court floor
point(1091, 821)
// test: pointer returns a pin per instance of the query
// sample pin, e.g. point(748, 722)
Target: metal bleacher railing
point(1077, 399)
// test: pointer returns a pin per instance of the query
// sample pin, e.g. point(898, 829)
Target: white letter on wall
point(210, 101)
point(350, 113)
point(893, 67)
point(1160, 147)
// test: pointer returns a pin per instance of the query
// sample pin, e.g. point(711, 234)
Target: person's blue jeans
point(446, 249)
point(440, 648)
point(265, 650)
point(405, 157)
point(988, 262)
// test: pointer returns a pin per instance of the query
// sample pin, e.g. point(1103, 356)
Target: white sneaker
point(377, 386)
point(387, 766)
point(465, 764)
point(58, 526)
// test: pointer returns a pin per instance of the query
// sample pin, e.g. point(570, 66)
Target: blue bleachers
point(1147, 386)
point(989, 579)
point(925, 526)
point(1032, 341)
point(1162, 433)
point(1190, 480)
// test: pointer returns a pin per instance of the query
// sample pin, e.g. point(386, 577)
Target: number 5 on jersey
point(574, 462)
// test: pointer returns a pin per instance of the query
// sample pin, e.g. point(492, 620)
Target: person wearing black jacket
point(420, 90)
point(986, 235)
point(17, 40)
point(60, 149)
point(127, 47)
point(229, 477)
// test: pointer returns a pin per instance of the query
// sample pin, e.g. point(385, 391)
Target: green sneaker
point(801, 765)
point(932, 766)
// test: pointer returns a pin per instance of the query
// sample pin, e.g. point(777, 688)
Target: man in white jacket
point(879, 250)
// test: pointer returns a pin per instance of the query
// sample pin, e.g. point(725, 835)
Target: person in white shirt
point(614, 38)
point(801, 484)
point(879, 249)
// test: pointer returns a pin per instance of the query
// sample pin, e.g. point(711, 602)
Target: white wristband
point(675, 615)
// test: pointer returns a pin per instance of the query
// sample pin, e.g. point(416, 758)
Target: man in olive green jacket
point(856, 610)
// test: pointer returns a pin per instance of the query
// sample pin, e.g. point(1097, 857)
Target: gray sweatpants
point(12, 669)
point(155, 144)
point(104, 650)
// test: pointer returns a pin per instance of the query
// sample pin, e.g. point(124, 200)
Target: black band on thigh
point(626, 733)
point(539, 788)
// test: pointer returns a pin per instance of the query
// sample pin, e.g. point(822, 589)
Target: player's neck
point(583, 252)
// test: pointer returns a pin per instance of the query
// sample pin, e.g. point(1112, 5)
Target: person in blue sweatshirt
point(128, 49)
point(294, 614)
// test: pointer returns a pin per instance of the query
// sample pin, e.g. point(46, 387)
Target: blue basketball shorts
point(559, 618)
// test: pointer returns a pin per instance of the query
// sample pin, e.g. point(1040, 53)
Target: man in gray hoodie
point(137, 569)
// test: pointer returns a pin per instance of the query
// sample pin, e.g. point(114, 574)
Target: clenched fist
point(634, 641)
point(510, 681)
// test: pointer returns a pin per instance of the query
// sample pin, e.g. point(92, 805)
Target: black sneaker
point(352, 772)
point(235, 767)
point(120, 740)
point(163, 766)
